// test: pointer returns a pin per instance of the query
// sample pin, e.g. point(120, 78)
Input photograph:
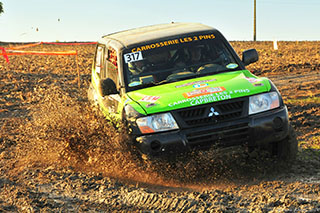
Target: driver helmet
point(196, 53)
point(136, 67)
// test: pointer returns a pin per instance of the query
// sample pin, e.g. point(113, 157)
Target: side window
point(99, 60)
point(112, 65)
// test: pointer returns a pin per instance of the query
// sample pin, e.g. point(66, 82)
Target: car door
point(98, 68)
point(111, 102)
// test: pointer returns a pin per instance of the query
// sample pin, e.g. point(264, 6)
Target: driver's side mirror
point(249, 56)
point(107, 87)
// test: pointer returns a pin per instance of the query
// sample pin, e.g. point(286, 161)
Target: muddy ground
point(59, 154)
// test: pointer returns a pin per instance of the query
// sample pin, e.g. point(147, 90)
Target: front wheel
point(284, 150)
point(287, 149)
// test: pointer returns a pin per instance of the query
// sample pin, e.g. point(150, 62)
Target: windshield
point(176, 59)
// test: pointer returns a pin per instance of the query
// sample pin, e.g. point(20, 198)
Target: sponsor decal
point(200, 85)
point(203, 91)
point(173, 42)
point(237, 91)
point(151, 105)
point(252, 80)
point(195, 82)
point(258, 84)
point(150, 99)
point(201, 100)
point(209, 98)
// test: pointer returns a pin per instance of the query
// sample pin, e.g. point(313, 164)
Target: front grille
point(212, 113)
point(225, 136)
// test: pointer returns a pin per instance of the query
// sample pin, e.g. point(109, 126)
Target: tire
point(287, 149)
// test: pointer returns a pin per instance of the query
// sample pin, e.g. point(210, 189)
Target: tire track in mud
point(147, 200)
point(283, 80)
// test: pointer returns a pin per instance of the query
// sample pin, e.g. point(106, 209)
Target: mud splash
point(64, 131)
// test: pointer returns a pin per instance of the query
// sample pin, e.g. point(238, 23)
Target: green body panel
point(197, 91)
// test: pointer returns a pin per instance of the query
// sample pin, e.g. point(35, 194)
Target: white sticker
point(134, 83)
point(132, 57)
point(232, 66)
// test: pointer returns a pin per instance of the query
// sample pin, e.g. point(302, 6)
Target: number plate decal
point(132, 57)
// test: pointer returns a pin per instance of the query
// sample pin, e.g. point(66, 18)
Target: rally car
point(181, 87)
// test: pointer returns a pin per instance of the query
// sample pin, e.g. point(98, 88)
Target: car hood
point(198, 91)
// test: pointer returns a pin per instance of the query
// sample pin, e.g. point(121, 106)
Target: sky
point(80, 20)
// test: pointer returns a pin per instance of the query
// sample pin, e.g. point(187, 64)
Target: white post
point(275, 45)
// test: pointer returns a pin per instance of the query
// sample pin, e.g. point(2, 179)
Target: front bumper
point(252, 131)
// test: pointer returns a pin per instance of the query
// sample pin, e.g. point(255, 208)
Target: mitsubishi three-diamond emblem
point(212, 112)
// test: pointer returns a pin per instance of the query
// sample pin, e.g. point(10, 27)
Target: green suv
point(181, 86)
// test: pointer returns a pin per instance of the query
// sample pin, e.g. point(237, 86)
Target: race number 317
point(132, 57)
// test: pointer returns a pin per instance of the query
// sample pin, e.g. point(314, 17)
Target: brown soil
point(59, 154)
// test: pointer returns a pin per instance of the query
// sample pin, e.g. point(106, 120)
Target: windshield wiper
point(213, 72)
point(175, 79)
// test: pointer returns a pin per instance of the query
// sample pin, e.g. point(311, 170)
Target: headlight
point(263, 102)
point(157, 123)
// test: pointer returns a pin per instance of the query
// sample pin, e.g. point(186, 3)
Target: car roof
point(149, 33)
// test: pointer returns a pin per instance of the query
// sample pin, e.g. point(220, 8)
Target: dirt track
point(57, 154)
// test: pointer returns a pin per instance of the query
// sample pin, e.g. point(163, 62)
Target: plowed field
point(59, 154)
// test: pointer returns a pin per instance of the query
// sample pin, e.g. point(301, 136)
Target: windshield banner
point(173, 42)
